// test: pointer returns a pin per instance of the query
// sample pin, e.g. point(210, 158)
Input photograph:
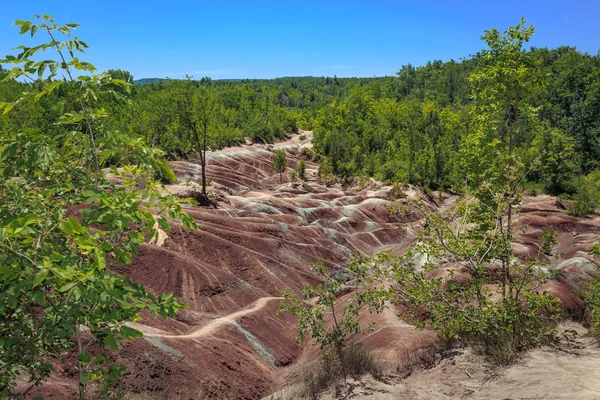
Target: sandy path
point(212, 326)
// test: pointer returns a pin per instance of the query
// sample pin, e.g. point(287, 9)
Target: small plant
point(402, 209)
point(308, 153)
point(279, 163)
point(548, 241)
point(329, 372)
point(164, 172)
point(333, 339)
point(397, 192)
point(56, 275)
point(292, 175)
point(301, 170)
point(326, 175)
point(302, 137)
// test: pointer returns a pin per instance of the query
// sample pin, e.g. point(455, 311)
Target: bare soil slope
point(567, 371)
point(261, 240)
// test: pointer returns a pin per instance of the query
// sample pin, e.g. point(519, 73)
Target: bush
point(510, 327)
point(586, 198)
point(292, 175)
point(533, 188)
point(164, 173)
point(592, 308)
point(302, 137)
point(326, 175)
point(301, 169)
point(548, 241)
point(308, 153)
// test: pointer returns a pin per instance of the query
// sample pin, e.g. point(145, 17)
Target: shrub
point(308, 153)
point(280, 163)
point(164, 172)
point(326, 175)
point(592, 308)
point(533, 188)
point(301, 169)
point(548, 241)
point(302, 137)
point(586, 198)
point(292, 174)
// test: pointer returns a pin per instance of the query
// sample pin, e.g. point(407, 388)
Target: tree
point(312, 321)
point(198, 114)
point(558, 160)
point(301, 169)
point(56, 264)
point(279, 163)
point(506, 76)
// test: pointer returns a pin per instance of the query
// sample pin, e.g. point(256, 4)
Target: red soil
point(260, 241)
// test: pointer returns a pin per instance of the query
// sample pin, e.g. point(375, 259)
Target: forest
point(406, 128)
point(504, 122)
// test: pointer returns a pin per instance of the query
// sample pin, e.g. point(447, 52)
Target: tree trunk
point(410, 157)
point(80, 365)
point(203, 158)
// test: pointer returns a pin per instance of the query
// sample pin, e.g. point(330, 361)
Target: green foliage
point(586, 198)
point(592, 307)
point(308, 153)
point(558, 162)
point(312, 320)
point(548, 241)
point(164, 173)
point(485, 295)
point(279, 163)
point(411, 128)
point(56, 262)
point(326, 175)
point(471, 302)
point(301, 170)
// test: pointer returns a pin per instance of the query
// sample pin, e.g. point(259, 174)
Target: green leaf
point(110, 341)
point(66, 227)
point(67, 287)
point(8, 107)
point(39, 277)
point(71, 226)
point(130, 333)
point(99, 259)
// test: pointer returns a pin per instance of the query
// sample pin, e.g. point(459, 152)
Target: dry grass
point(330, 372)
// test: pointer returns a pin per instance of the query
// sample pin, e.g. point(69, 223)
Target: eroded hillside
point(261, 240)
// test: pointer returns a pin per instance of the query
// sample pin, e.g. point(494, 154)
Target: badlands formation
point(261, 240)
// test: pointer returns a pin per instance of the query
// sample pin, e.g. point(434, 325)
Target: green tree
point(301, 169)
point(502, 84)
point(56, 265)
point(313, 320)
point(198, 116)
point(558, 160)
point(279, 163)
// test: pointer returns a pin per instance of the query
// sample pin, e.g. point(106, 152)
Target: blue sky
point(266, 39)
